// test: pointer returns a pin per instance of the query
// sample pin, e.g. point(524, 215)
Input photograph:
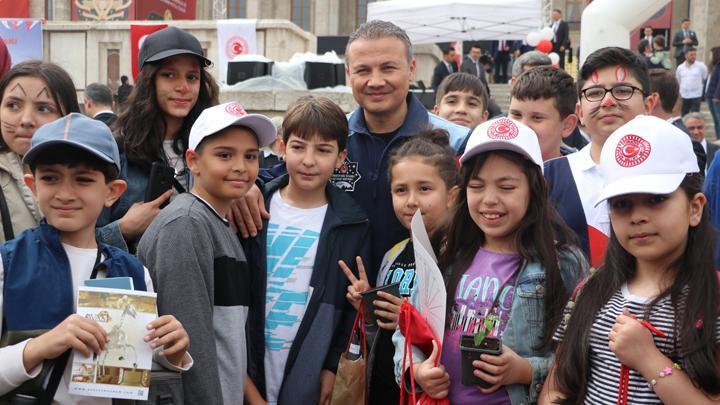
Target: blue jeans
point(715, 111)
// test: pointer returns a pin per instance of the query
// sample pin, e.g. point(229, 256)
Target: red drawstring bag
point(417, 333)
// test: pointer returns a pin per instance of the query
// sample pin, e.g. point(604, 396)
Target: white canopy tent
point(431, 21)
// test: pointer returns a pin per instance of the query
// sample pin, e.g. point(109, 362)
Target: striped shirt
point(604, 378)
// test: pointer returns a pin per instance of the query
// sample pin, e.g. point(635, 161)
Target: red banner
point(165, 10)
point(137, 35)
point(14, 9)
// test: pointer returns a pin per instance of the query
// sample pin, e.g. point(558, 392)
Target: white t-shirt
point(589, 182)
point(691, 78)
point(292, 239)
point(12, 370)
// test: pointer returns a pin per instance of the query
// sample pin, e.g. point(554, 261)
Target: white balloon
point(554, 58)
point(546, 33)
point(533, 38)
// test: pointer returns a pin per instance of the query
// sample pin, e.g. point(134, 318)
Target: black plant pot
point(469, 353)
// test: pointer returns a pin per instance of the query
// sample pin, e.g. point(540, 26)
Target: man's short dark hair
point(664, 83)
point(99, 94)
point(476, 46)
point(691, 49)
point(547, 82)
point(74, 156)
point(462, 82)
point(309, 116)
point(376, 29)
point(123, 79)
point(447, 50)
point(614, 56)
point(557, 10)
point(684, 20)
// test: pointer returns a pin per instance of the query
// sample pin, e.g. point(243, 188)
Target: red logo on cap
point(632, 150)
point(235, 109)
point(503, 129)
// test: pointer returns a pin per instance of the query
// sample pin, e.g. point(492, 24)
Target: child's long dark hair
point(141, 125)
point(538, 236)
point(695, 269)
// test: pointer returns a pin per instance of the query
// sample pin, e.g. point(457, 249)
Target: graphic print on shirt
point(346, 176)
point(286, 268)
point(402, 270)
point(474, 299)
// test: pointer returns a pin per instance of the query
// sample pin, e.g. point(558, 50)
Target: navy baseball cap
point(168, 42)
point(79, 131)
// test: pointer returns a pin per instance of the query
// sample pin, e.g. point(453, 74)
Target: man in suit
point(684, 40)
point(471, 64)
point(98, 103)
point(648, 34)
point(123, 91)
point(444, 67)
point(502, 59)
point(561, 36)
point(695, 123)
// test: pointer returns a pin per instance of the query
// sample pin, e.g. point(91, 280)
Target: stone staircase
point(501, 94)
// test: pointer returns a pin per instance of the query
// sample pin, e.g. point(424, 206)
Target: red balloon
point(544, 46)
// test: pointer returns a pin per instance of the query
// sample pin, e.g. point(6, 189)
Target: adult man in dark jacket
point(472, 65)
point(561, 39)
point(684, 40)
point(444, 67)
point(98, 103)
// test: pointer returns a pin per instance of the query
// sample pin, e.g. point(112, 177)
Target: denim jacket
point(525, 326)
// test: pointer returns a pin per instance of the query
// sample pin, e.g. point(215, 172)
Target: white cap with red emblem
point(214, 119)
point(504, 134)
point(647, 155)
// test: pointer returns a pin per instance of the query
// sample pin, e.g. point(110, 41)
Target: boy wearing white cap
point(197, 262)
point(644, 327)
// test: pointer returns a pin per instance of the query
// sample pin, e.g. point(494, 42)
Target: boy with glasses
point(611, 91)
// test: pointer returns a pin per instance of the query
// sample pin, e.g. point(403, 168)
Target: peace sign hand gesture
point(356, 285)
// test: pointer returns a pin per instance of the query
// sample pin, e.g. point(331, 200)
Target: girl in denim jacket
point(508, 272)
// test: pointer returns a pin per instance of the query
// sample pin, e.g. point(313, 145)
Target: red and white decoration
point(235, 37)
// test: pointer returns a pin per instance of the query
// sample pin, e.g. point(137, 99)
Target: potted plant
point(472, 346)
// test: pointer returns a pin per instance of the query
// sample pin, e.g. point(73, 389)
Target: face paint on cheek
point(620, 73)
point(595, 77)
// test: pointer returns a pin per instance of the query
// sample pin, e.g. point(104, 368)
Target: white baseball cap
point(504, 134)
point(214, 119)
point(647, 155)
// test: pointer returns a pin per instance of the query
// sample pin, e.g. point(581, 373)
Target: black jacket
point(562, 36)
point(441, 72)
point(325, 328)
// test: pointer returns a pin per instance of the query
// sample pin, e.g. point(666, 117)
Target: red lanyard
point(625, 370)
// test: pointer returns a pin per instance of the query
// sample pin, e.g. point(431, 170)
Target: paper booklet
point(122, 369)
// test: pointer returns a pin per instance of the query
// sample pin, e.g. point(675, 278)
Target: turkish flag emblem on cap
point(235, 109)
point(503, 129)
point(632, 150)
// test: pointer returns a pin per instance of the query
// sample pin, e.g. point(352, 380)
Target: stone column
point(61, 10)
point(704, 17)
point(37, 9)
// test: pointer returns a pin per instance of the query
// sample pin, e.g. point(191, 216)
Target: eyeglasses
point(621, 93)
